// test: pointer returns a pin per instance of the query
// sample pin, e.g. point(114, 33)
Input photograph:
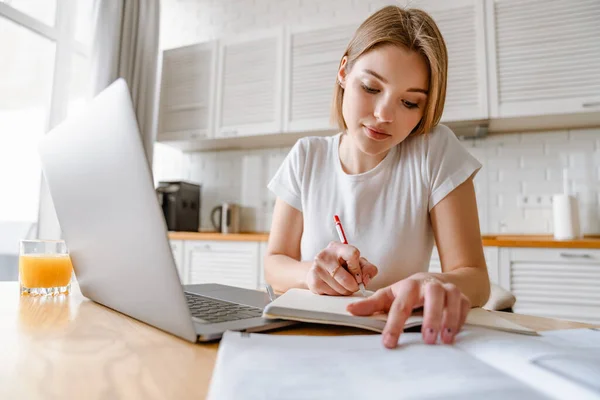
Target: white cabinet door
point(312, 60)
point(491, 259)
point(228, 263)
point(462, 24)
point(249, 92)
point(261, 265)
point(187, 92)
point(177, 249)
point(545, 55)
point(558, 283)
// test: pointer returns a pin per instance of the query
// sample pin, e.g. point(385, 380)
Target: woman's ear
point(342, 73)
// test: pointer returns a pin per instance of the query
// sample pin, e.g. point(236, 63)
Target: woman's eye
point(409, 105)
point(369, 89)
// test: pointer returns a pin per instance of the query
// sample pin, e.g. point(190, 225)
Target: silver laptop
point(104, 196)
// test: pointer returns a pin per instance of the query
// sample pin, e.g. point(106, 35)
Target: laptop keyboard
point(214, 311)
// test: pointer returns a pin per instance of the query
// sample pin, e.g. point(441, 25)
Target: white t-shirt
point(384, 211)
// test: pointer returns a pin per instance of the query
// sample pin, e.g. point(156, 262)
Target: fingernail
point(367, 279)
point(448, 337)
point(430, 335)
point(388, 340)
point(359, 278)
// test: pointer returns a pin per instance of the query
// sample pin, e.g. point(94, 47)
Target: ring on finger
point(332, 273)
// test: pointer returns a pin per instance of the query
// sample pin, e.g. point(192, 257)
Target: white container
point(566, 217)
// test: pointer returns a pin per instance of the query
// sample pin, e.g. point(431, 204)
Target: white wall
point(528, 163)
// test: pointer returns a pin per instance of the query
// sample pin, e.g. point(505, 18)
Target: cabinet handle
point(568, 255)
point(592, 104)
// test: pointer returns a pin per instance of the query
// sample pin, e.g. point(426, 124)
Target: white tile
point(521, 174)
point(584, 134)
point(521, 150)
point(547, 187)
point(545, 137)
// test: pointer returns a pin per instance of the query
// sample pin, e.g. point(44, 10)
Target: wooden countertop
point(547, 241)
point(71, 347)
point(236, 237)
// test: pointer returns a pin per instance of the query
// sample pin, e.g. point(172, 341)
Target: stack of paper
point(484, 364)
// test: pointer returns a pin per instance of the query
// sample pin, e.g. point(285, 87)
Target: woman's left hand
point(445, 308)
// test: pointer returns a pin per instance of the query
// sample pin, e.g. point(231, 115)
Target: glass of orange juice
point(44, 268)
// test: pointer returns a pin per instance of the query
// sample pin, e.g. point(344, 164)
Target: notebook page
point(259, 366)
point(302, 299)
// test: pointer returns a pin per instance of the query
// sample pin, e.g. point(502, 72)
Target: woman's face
point(385, 94)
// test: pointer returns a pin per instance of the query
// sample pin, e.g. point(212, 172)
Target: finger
point(329, 259)
point(330, 281)
point(465, 306)
point(380, 301)
point(351, 256)
point(452, 313)
point(368, 270)
point(405, 299)
point(434, 295)
point(316, 284)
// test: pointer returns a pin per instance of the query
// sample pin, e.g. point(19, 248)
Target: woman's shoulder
point(437, 137)
point(313, 146)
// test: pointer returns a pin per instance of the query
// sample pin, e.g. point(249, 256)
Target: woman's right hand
point(338, 269)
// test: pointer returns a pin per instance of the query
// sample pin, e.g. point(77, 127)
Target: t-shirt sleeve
point(449, 164)
point(287, 182)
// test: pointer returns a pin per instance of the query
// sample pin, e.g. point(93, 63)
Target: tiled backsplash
point(513, 165)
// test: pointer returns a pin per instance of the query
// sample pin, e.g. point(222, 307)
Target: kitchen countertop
point(544, 241)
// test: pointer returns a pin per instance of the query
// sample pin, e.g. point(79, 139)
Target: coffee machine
point(180, 202)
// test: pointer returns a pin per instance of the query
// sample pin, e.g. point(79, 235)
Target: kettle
point(228, 220)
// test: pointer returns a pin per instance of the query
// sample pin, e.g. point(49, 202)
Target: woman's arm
point(458, 238)
point(324, 275)
point(283, 269)
point(446, 297)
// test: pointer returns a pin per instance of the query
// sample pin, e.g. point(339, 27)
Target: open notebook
point(305, 306)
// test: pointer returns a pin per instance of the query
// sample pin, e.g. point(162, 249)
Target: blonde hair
point(415, 30)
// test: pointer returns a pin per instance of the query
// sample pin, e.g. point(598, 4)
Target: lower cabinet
point(557, 283)
point(261, 265)
point(228, 263)
point(177, 249)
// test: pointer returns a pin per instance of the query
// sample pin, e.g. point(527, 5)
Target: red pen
point(342, 236)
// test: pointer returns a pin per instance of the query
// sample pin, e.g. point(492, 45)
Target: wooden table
point(70, 347)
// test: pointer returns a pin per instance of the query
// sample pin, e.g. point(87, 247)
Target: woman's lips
point(375, 134)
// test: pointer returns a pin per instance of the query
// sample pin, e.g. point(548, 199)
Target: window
point(44, 74)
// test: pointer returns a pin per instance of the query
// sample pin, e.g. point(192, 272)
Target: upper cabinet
point(546, 56)
point(461, 23)
point(187, 92)
point(249, 79)
point(312, 59)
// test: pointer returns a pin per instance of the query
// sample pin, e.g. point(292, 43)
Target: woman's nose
point(384, 111)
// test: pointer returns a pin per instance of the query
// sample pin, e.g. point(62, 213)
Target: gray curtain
point(126, 46)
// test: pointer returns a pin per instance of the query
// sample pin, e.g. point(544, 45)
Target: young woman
point(396, 178)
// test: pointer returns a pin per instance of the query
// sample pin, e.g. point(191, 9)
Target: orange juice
point(45, 270)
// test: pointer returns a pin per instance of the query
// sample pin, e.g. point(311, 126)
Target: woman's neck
point(353, 160)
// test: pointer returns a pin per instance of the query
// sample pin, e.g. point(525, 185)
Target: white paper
point(550, 365)
point(260, 366)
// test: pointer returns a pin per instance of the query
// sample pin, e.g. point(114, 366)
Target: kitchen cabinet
point(249, 89)
point(228, 263)
point(187, 92)
point(262, 283)
point(545, 57)
point(177, 249)
point(312, 58)
point(558, 283)
point(462, 24)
